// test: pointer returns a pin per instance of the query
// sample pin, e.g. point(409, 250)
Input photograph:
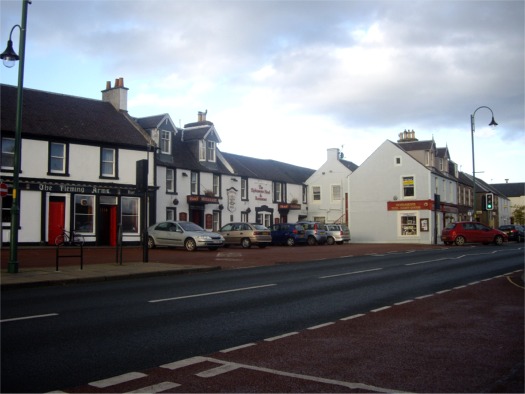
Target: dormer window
point(165, 142)
point(207, 151)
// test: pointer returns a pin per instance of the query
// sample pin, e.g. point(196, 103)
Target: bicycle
point(69, 238)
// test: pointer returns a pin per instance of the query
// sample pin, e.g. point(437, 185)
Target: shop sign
point(410, 205)
point(261, 193)
point(202, 199)
point(232, 197)
point(289, 206)
point(72, 188)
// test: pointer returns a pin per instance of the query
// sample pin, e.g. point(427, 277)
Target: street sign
point(3, 190)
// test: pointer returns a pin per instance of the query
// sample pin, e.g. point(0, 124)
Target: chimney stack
point(117, 96)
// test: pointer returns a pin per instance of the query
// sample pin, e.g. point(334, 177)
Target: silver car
point(337, 233)
point(183, 234)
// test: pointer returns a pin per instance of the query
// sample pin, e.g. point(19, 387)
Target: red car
point(467, 232)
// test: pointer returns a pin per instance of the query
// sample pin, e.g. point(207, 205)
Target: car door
point(277, 236)
point(483, 232)
point(176, 235)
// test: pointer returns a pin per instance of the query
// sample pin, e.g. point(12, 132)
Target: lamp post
point(472, 129)
point(9, 56)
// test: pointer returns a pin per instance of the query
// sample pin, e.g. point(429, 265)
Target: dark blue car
point(288, 234)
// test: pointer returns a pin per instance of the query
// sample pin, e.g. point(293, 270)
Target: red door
point(57, 216)
point(113, 225)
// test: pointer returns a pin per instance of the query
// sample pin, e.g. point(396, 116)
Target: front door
point(56, 219)
point(108, 225)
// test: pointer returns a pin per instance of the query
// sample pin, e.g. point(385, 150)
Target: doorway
point(108, 224)
point(56, 218)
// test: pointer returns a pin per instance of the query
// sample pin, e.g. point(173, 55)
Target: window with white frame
point(305, 194)
point(194, 182)
point(336, 192)
point(202, 150)
point(108, 163)
point(408, 187)
point(85, 213)
point(170, 180)
point(130, 214)
point(8, 153)
point(165, 142)
point(216, 185)
point(279, 192)
point(408, 224)
point(316, 193)
point(244, 188)
point(210, 151)
point(216, 220)
point(57, 158)
point(171, 213)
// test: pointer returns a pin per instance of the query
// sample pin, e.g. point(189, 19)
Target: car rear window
point(450, 226)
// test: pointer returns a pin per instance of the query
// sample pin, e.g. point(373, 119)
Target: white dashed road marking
point(213, 293)
point(117, 379)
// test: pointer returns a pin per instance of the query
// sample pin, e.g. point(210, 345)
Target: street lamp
point(472, 129)
point(9, 56)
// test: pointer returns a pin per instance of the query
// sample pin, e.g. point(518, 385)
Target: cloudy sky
point(286, 80)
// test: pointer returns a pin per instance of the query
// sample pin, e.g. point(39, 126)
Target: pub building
point(78, 166)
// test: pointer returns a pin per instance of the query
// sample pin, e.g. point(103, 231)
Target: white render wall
point(379, 180)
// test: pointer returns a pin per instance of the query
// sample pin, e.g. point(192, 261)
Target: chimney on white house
point(117, 95)
point(332, 154)
point(201, 116)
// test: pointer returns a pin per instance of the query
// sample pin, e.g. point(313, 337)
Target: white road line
point(210, 373)
point(403, 302)
point(381, 309)
point(350, 273)
point(353, 316)
point(127, 377)
point(213, 293)
point(238, 347)
point(156, 388)
point(443, 291)
point(320, 326)
point(424, 296)
point(28, 317)
point(184, 363)
point(428, 261)
point(289, 334)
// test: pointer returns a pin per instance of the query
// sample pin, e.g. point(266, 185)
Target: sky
point(287, 80)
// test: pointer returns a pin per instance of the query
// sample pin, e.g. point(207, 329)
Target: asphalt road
point(54, 338)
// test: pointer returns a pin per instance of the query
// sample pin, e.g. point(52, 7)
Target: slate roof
point(151, 122)
point(348, 164)
point(268, 169)
point(416, 145)
point(47, 115)
point(510, 189)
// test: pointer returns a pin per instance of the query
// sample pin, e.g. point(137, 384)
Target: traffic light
point(489, 201)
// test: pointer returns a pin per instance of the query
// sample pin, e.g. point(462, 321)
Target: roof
point(416, 145)
point(348, 164)
point(268, 169)
point(152, 122)
point(510, 189)
point(48, 115)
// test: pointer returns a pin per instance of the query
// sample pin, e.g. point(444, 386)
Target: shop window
point(408, 187)
point(108, 163)
point(316, 191)
point(244, 189)
point(130, 214)
point(8, 154)
point(165, 142)
point(7, 203)
point(84, 213)
point(408, 223)
point(57, 158)
point(170, 180)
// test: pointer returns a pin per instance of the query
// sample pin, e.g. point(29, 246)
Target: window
point(408, 186)
point(84, 213)
point(244, 216)
point(108, 160)
point(165, 142)
point(336, 192)
point(57, 158)
point(170, 180)
point(7, 202)
point(130, 214)
point(316, 190)
point(194, 182)
point(305, 194)
point(210, 151)
point(398, 160)
point(216, 185)
point(408, 224)
point(216, 220)
point(279, 192)
point(8, 153)
point(202, 150)
point(171, 213)
point(244, 188)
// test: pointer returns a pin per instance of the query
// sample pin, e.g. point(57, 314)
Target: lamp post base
point(12, 267)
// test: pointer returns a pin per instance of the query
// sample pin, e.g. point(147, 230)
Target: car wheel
point(290, 242)
point(151, 243)
point(460, 241)
point(330, 240)
point(246, 243)
point(312, 241)
point(190, 245)
point(498, 240)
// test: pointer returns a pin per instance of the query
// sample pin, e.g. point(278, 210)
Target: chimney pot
point(108, 85)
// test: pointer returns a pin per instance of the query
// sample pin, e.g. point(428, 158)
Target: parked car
point(465, 232)
point(315, 232)
point(513, 231)
point(183, 234)
point(246, 234)
point(287, 234)
point(337, 233)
